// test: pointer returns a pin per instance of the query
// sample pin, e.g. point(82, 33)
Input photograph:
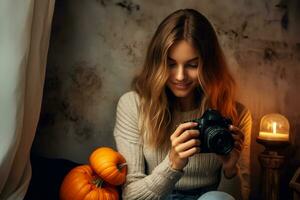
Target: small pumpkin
point(109, 165)
point(82, 183)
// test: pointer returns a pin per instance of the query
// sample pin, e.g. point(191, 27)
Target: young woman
point(185, 73)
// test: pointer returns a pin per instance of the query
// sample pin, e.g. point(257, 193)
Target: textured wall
point(98, 45)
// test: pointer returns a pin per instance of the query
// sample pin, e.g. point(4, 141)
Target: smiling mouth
point(181, 85)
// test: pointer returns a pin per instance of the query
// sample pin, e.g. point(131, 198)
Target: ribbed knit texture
point(149, 173)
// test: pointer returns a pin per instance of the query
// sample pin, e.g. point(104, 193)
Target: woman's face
point(183, 63)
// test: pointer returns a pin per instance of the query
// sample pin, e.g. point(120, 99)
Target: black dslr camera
point(214, 131)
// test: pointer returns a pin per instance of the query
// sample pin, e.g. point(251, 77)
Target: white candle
point(274, 127)
point(274, 135)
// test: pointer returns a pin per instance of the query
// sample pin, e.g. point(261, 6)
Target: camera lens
point(219, 140)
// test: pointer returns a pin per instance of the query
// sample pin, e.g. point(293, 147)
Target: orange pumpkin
point(81, 183)
point(109, 165)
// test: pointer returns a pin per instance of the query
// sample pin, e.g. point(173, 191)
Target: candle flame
point(274, 127)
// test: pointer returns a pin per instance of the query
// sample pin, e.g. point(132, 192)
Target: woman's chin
point(181, 94)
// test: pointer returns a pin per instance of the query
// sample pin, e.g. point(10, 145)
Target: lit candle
point(274, 127)
point(273, 135)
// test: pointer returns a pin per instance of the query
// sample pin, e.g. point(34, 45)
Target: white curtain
point(24, 37)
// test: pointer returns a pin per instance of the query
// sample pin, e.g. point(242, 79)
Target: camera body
point(214, 131)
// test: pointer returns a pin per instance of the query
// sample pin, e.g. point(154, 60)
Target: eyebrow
point(193, 59)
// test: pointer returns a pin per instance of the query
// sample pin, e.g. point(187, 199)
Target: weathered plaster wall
point(98, 45)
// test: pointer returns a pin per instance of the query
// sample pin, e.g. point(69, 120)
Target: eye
point(171, 64)
point(192, 65)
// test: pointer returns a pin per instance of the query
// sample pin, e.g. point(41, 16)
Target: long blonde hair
point(217, 86)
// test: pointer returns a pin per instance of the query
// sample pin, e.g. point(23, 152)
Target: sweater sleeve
point(239, 186)
point(139, 185)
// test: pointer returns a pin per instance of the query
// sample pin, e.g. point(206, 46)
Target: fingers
point(185, 140)
point(238, 137)
point(189, 152)
point(187, 145)
point(237, 132)
point(236, 153)
point(182, 127)
point(238, 146)
point(185, 136)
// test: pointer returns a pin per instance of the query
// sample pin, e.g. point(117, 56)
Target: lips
point(181, 86)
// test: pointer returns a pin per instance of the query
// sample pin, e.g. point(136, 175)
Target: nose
point(180, 73)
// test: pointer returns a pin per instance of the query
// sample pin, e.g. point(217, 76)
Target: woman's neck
point(186, 104)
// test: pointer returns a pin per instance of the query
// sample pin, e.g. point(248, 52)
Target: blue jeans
point(216, 195)
point(212, 195)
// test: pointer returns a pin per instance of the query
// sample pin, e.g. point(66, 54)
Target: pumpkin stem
point(98, 182)
point(120, 166)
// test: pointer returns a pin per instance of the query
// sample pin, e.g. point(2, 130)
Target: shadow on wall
point(290, 19)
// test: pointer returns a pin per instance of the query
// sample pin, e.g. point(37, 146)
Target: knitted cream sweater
point(149, 173)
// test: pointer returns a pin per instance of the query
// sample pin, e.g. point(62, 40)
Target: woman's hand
point(230, 161)
point(185, 143)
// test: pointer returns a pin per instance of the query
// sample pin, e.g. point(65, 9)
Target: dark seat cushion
point(47, 176)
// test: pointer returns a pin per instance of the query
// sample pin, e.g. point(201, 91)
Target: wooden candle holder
point(271, 163)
